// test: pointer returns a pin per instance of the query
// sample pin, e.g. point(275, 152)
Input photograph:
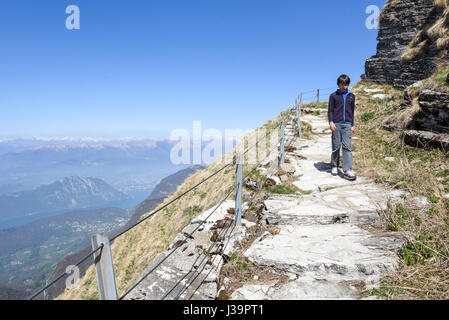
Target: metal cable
point(153, 213)
point(229, 238)
point(277, 126)
point(146, 275)
point(188, 282)
point(216, 267)
point(179, 281)
point(177, 198)
point(180, 196)
point(63, 274)
point(139, 222)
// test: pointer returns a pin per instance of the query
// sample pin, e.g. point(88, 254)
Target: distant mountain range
point(65, 194)
point(129, 166)
point(132, 167)
point(22, 144)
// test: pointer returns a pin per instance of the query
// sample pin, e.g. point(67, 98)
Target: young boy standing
point(341, 121)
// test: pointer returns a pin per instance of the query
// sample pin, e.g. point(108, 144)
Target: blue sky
point(143, 68)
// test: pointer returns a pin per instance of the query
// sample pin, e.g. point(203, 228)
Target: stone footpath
point(321, 245)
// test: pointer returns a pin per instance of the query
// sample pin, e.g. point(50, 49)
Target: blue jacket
point(341, 108)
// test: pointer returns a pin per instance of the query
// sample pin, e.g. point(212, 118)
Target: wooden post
point(318, 95)
point(238, 190)
point(104, 267)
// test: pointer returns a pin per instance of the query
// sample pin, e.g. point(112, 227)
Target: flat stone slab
point(304, 288)
point(317, 175)
point(307, 212)
point(342, 249)
point(319, 150)
point(279, 202)
point(316, 122)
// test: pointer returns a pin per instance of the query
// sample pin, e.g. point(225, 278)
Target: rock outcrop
point(434, 114)
point(405, 54)
point(429, 127)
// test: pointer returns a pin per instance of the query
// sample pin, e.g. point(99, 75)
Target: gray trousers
point(342, 137)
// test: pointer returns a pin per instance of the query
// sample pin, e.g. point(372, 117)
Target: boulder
point(372, 90)
point(426, 139)
point(251, 183)
point(382, 97)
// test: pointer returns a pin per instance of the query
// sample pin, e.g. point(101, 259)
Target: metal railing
point(101, 249)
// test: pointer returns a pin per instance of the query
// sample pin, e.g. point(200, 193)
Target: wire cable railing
point(144, 219)
point(201, 223)
point(100, 248)
point(191, 281)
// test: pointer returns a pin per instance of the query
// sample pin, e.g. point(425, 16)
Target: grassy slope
point(425, 271)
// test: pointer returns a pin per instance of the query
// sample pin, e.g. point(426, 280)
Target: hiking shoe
point(334, 171)
point(350, 175)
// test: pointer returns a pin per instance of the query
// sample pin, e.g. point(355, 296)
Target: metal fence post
point(282, 160)
point(238, 190)
point(104, 267)
point(298, 117)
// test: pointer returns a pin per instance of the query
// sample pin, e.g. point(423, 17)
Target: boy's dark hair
point(343, 79)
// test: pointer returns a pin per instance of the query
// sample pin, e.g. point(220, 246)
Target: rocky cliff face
point(412, 42)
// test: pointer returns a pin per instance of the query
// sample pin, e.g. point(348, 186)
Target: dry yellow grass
point(441, 3)
point(134, 250)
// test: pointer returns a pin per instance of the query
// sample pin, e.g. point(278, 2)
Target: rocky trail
point(326, 244)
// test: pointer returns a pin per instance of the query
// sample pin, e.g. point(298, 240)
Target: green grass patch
point(281, 189)
point(416, 252)
point(439, 77)
point(193, 211)
point(367, 116)
point(241, 264)
point(383, 292)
